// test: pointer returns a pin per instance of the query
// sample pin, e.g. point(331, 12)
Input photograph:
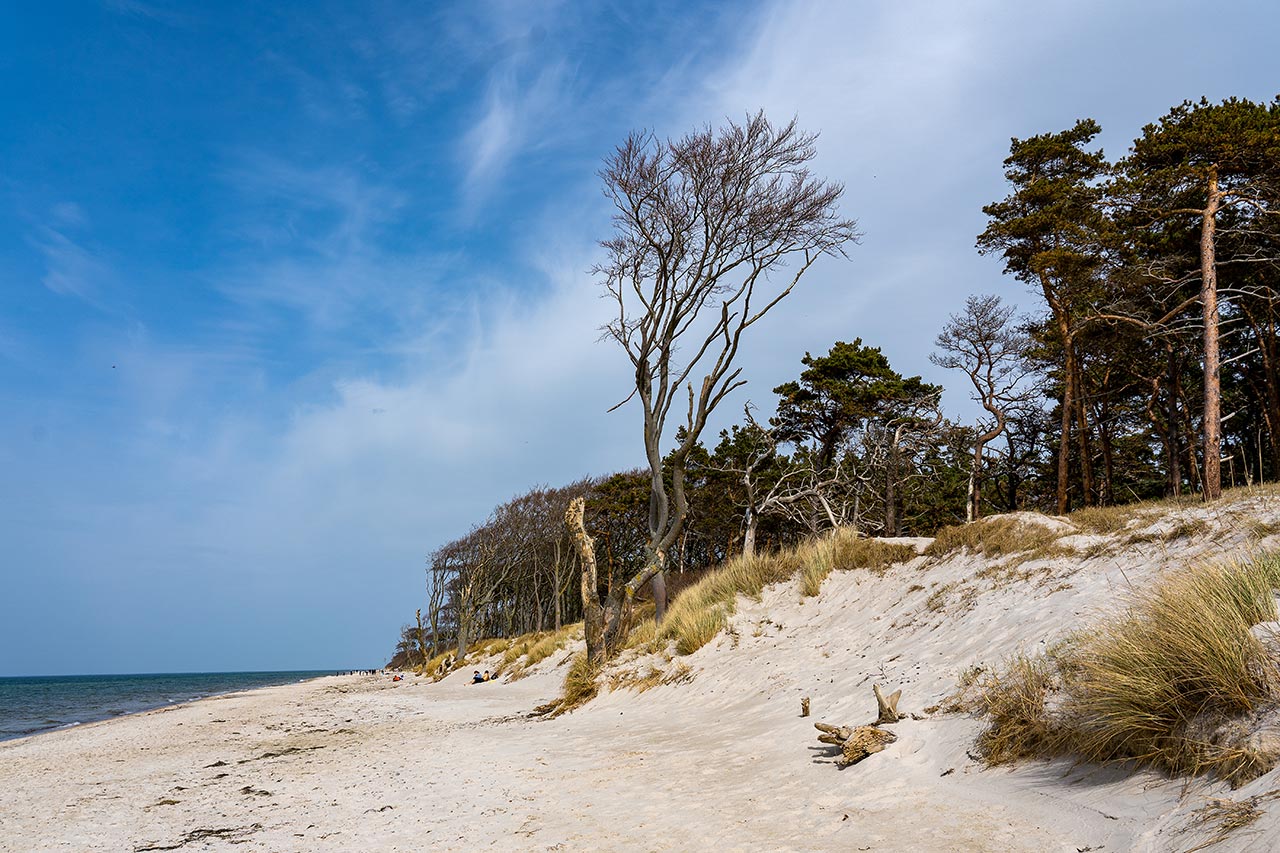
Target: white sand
point(359, 763)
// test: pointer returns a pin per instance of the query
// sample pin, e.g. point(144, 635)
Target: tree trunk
point(1063, 325)
point(1011, 494)
point(422, 641)
point(1212, 426)
point(592, 613)
point(556, 580)
point(971, 494)
point(1068, 403)
point(749, 534)
point(891, 487)
point(658, 586)
point(1087, 484)
point(1171, 422)
point(464, 629)
point(1107, 495)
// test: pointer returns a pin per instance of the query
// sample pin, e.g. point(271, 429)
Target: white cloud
point(70, 269)
point(516, 114)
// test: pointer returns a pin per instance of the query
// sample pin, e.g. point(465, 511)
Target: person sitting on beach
point(477, 678)
point(487, 676)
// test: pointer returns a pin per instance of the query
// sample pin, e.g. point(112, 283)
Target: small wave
point(68, 725)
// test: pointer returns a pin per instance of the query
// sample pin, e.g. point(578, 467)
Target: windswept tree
point(711, 231)
point(1051, 231)
point(986, 343)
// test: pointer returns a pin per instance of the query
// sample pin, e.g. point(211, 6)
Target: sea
point(33, 704)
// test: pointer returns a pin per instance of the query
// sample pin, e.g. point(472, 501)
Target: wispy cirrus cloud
point(520, 105)
point(70, 268)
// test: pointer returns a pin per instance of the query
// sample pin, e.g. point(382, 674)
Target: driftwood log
point(858, 742)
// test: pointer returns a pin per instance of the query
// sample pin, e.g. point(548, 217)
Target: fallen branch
point(858, 742)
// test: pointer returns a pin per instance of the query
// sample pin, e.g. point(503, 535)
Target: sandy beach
point(722, 762)
point(360, 763)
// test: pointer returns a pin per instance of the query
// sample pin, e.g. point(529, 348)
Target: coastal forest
point(1147, 367)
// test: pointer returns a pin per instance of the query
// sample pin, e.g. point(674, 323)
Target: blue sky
point(290, 294)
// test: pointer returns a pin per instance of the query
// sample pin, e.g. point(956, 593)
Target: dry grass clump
point(644, 634)
point(701, 611)
point(531, 649)
point(435, 663)
point(580, 684)
point(815, 571)
point(1187, 529)
point(1229, 815)
point(1015, 700)
point(1104, 520)
point(850, 552)
point(993, 537)
point(640, 681)
point(1260, 529)
point(490, 646)
point(1154, 684)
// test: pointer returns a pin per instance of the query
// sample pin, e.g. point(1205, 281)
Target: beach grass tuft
point(580, 684)
point(995, 537)
point(1155, 684)
point(701, 611)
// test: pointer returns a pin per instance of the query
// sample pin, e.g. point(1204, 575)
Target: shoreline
point(363, 763)
point(311, 675)
point(242, 766)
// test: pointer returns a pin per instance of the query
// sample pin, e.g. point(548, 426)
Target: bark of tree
point(592, 612)
point(1171, 422)
point(1087, 484)
point(1212, 427)
point(1063, 325)
point(750, 522)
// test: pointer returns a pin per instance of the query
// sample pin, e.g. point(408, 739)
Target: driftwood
point(858, 742)
point(804, 707)
point(855, 743)
point(887, 709)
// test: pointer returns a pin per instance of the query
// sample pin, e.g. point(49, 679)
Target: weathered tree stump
point(858, 742)
point(887, 709)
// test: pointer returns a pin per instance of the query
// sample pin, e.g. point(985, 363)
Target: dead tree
point(984, 343)
point(702, 225)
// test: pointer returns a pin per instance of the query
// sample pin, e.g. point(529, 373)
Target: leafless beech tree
point(772, 484)
point(984, 342)
point(702, 225)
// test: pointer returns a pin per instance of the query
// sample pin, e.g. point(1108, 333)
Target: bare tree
point(984, 342)
point(701, 225)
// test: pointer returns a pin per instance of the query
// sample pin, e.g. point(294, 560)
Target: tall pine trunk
point(1212, 427)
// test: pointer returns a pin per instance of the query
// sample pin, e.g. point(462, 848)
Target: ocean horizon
point(34, 704)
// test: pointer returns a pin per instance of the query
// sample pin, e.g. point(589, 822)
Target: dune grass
point(580, 684)
point(700, 612)
point(1152, 684)
point(994, 537)
point(528, 650)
